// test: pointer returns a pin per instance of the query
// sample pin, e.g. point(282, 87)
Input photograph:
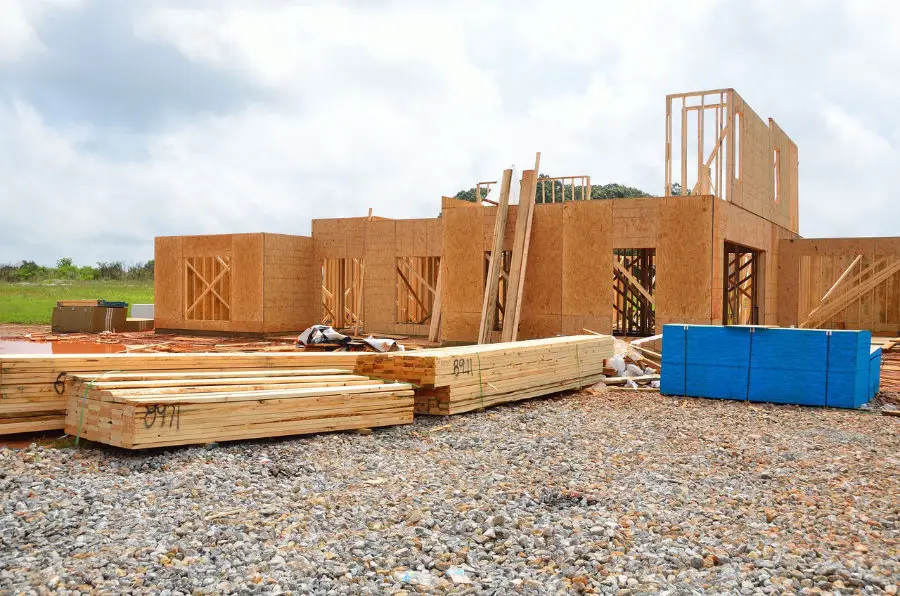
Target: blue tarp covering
point(762, 364)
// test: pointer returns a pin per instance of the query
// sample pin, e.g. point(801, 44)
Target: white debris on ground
point(608, 493)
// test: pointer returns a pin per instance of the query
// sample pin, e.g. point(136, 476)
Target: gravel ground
point(628, 493)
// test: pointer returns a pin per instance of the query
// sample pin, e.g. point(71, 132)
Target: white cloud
point(17, 25)
point(392, 105)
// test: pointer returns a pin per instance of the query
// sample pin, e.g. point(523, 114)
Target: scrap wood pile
point(32, 387)
point(634, 367)
point(460, 379)
point(143, 410)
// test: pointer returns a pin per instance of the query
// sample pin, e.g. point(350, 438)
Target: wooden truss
point(417, 280)
point(741, 297)
point(634, 283)
point(207, 288)
point(342, 284)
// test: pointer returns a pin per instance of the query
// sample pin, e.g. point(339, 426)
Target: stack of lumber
point(144, 410)
point(460, 379)
point(890, 367)
point(32, 386)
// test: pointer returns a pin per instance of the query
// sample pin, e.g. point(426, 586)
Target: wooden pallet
point(32, 386)
point(137, 414)
point(461, 379)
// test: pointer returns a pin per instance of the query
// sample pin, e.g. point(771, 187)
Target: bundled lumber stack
point(835, 368)
point(460, 379)
point(32, 387)
point(890, 367)
point(143, 410)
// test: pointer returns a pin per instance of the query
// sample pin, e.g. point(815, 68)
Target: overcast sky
point(125, 120)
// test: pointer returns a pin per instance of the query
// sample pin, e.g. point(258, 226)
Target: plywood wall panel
point(167, 280)
point(247, 275)
point(587, 271)
point(462, 269)
point(291, 290)
point(542, 298)
point(635, 222)
point(208, 246)
point(683, 272)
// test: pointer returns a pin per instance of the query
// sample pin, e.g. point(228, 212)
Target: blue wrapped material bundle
point(762, 364)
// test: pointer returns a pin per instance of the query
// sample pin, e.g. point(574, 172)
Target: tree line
point(65, 269)
point(566, 192)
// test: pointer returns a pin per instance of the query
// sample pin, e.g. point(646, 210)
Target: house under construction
point(721, 247)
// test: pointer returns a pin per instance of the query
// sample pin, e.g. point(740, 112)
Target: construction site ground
point(589, 491)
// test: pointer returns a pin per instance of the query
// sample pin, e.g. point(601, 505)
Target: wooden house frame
point(724, 249)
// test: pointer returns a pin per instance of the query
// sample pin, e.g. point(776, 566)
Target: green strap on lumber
point(480, 381)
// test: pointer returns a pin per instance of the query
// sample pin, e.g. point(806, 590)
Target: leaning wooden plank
point(492, 284)
point(524, 216)
point(434, 329)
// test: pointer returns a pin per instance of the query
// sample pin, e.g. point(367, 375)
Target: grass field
point(33, 302)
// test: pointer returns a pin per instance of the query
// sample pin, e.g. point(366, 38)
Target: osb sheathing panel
point(542, 299)
point(753, 174)
point(683, 267)
point(291, 291)
point(809, 267)
point(246, 279)
point(341, 238)
point(167, 281)
point(587, 292)
point(635, 223)
point(214, 245)
point(461, 269)
point(754, 182)
point(786, 209)
point(379, 287)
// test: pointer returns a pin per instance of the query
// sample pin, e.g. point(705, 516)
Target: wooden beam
point(411, 290)
point(524, 217)
point(492, 284)
point(841, 278)
point(633, 281)
point(418, 275)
